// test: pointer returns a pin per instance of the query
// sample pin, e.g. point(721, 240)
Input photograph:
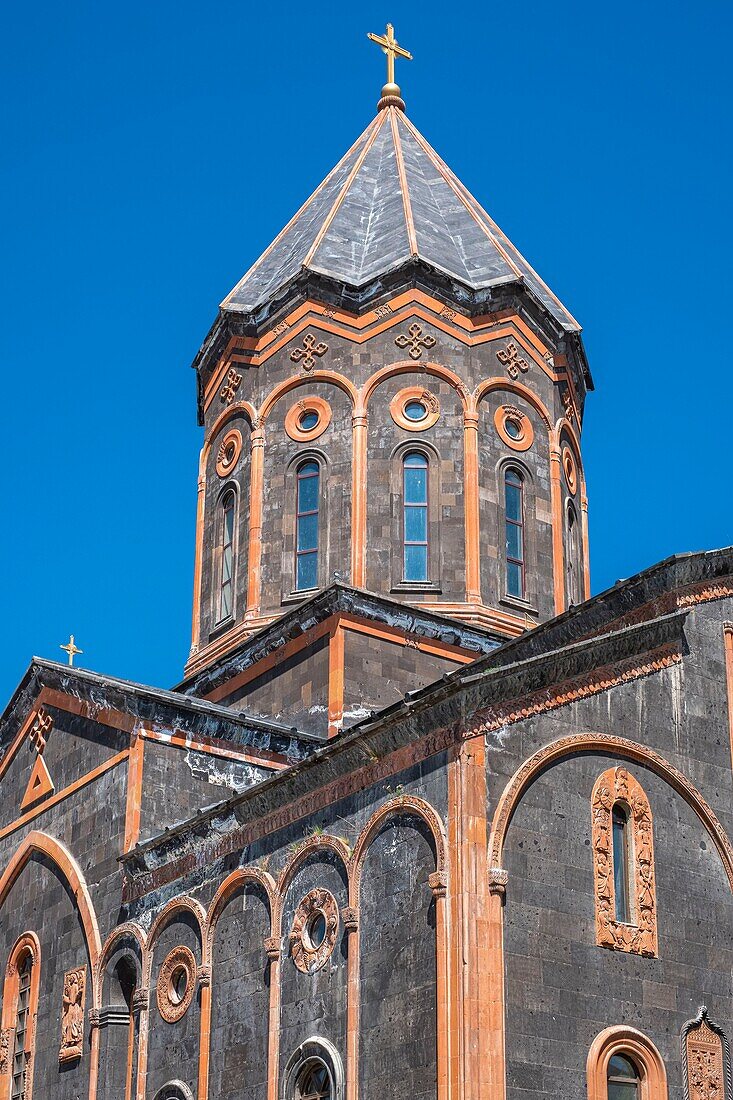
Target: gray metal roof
point(391, 199)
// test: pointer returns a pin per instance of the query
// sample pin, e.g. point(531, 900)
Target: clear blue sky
point(150, 151)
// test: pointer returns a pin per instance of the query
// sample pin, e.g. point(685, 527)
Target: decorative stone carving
point(229, 452)
point(306, 355)
point(6, 1040)
point(706, 1060)
point(383, 311)
point(514, 427)
point(498, 879)
point(41, 729)
point(438, 883)
point(419, 396)
point(350, 917)
point(447, 313)
point(313, 935)
point(176, 983)
point(95, 1017)
point(414, 341)
point(140, 1000)
point(272, 947)
point(232, 382)
point(567, 401)
point(203, 975)
point(511, 359)
point(72, 1014)
point(280, 328)
point(570, 470)
point(640, 935)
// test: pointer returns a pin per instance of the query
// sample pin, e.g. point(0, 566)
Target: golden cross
point(71, 649)
point(389, 45)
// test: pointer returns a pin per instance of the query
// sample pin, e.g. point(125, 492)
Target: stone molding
point(706, 1060)
point(173, 1006)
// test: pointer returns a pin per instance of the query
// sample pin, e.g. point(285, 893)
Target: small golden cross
point(389, 45)
point(71, 649)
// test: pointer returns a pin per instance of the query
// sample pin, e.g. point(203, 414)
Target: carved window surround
point(639, 936)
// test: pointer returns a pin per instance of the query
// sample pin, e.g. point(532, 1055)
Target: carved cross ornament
point(232, 382)
point(705, 1058)
point(414, 341)
point(306, 355)
point(40, 730)
point(72, 1015)
point(639, 934)
point(511, 359)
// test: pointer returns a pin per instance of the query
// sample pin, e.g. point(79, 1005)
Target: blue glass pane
point(416, 524)
point(416, 563)
point(618, 1090)
point(415, 410)
point(307, 571)
point(228, 520)
point(226, 565)
point(308, 532)
point(514, 541)
point(308, 420)
point(416, 486)
point(514, 579)
point(308, 494)
point(416, 459)
point(620, 869)
point(513, 502)
point(226, 602)
point(620, 1066)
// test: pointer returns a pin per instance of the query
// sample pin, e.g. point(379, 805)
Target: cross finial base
point(391, 97)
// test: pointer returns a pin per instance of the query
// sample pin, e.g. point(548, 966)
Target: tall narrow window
point(623, 1078)
point(415, 516)
point(620, 820)
point(306, 522)
point(514, 523)
point(21, 1047)
point(572, 556)
point(226, 587)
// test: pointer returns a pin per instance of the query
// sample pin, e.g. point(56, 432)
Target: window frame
point(314, 1049)
point(424, 506)
point(317, 512)
point(511, 468)
point(632, 1044)
point(434, 514)
point(227, 492)
point(27, 946)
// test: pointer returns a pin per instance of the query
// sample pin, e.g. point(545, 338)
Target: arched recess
point(617, 746)
point(491, 384)
point(319, 843)
point(634, 1045)
point(398, 888)
point(565, 430)
point(38, 843)
point(243, 993)
point(409, 366)
point(172, 909)
point(123, 1004)
point(289, 384)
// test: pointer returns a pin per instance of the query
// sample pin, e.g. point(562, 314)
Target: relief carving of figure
point(72, 1014)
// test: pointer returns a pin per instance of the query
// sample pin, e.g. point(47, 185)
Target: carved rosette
point(176, 983)
point(307, 952)
point(640, 936)
point(72, 1015)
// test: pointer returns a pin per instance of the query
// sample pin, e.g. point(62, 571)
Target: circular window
point(415, 409)
point(314, 931)
point(514, 427)
point(229, 452)
point(176, 983)
point(307, 419)
point(569, 469)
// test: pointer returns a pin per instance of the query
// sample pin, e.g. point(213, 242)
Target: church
point(423, 819)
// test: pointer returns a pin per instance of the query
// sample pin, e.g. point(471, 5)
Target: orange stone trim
point(643, 1053)
point(308, 956)
point(414, 393)
point(336, 662)
point(40, 785)
point(321, 408)
point(570, 470)
point(27, 944)
point(173, 1007)
point(167, 914)
point(706, 1054)
point(640, 936)
point(229, 451)
point(511, 414)
point(619, 746)
point(134, 791)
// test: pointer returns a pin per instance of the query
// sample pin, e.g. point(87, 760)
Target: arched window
point(573, 556)
point(514, 531)
point(415, 517)
point(308, 480)
point(621, 862)
point(314, 1082)
point(226, 584)
point(20, 1005)
point(623, 1078)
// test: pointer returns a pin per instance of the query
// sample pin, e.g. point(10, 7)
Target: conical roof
point(390, 200)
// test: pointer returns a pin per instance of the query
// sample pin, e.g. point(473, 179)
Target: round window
point(513, 428)
point(316, 930)
point(308, 420)
point(179, 982)
point(415, 410)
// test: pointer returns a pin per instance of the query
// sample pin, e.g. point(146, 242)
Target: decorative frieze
point(637, 933)
point(176, 983)
point(72, 1014)
point(6, 1043)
